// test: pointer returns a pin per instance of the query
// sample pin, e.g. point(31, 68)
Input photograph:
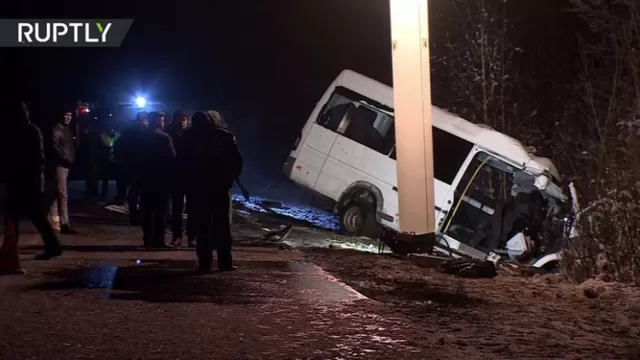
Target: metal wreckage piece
point(406, 244)
point(469, 268)
point(532, 234)
point(278, 235)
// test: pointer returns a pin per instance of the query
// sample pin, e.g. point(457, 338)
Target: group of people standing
point(166, 163)
point(161, 164)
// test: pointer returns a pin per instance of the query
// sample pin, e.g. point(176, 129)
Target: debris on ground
point(286, 225)
point(278, 235)
point(469, 268)
point(293, 226)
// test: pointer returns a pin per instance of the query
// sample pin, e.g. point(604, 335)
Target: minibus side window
point(449, 154)
point(359, 122)
point(333, 112)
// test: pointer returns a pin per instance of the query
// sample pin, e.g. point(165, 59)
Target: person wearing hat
point(217, 119)
point(213, 163)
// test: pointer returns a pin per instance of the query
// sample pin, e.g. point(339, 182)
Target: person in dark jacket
point(24, 161)
point(156, 166)
point(177, 130)
point(127, 152)
point(63, 157)
point(213, 163)
point(219, 121)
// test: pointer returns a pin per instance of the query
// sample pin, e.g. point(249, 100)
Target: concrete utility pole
point(412, 103)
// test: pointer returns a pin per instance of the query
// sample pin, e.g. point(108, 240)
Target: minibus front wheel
point(358, 219)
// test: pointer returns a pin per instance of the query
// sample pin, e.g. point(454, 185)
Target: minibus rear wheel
point(358, 219)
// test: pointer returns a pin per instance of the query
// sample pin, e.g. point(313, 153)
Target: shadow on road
point(105, 220)
point(108, 248)
point(174, 281)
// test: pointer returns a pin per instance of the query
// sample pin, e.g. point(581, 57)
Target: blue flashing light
point(141, 102)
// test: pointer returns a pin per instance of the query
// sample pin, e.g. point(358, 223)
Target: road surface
point(106, 299)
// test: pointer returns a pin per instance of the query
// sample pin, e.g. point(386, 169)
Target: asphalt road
point(107, 299)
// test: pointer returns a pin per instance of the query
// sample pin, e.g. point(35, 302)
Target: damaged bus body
point(491, 195)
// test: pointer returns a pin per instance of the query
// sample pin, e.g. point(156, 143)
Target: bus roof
point(479, 134)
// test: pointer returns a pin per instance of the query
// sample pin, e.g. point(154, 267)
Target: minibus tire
point(367, 225)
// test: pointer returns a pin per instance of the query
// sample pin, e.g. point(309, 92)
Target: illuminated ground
point(155, 309)
point(312, 228)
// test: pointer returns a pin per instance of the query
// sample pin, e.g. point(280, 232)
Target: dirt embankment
point(508, 316)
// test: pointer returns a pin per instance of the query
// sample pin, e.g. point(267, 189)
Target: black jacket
point(128, 148)
point(158, 158)
point(179, 144)
point(89, 151)
point(63, 146)
point(213, 161)
point(22, 152)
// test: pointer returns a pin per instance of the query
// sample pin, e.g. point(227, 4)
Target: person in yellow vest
point(108, 164)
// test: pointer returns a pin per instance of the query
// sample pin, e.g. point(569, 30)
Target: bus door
point(484, 188)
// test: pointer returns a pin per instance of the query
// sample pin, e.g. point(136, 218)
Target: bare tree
point(479, 59)
point(609, 107)
point(610, 64)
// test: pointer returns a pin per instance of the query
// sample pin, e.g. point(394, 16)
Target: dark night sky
point(263, 63)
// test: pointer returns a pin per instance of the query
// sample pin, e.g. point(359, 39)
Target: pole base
point(409, 243)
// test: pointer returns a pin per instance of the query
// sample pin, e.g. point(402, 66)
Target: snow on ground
point(304, 237)
point(305, 213)
point(313, 228)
